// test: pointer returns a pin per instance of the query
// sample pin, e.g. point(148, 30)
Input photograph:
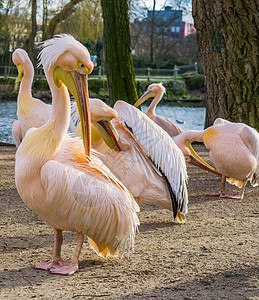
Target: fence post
point(176, 71)
point(148, 73)
point(100, 72)
point(196, 67)
point(5, 72)
point(16, 84)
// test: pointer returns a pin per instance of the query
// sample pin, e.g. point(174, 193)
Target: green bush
point(174, 88)
point(7, 81)
point(195, 82)
point(40, 84)
point(95, 85)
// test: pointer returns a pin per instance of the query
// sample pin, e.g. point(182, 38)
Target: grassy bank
point(189, 90)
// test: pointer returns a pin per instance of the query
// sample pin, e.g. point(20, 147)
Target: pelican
point(234, 150)
point(157, 90)
point(101, 128)
point(60, 178)
point(156, 175)
point(31, 112)
point(149, 163)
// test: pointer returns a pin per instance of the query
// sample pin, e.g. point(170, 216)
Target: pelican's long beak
point(109, 134)
point(20, 71)
point(77, 85)
point(198, 161)
point(143, 98)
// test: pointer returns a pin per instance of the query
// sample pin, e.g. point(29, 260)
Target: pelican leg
point(223, 192)
point(240, 195)
point(56, 260)
point(72, 267)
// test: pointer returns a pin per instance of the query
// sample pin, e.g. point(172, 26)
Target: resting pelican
point(157, 90)
point(31, 112)
point(234, 150)
point(68, 189)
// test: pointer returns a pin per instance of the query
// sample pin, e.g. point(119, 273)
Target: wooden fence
point(140, 73)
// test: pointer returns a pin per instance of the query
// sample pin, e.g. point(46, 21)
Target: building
point(21, 31)
point(174, 23)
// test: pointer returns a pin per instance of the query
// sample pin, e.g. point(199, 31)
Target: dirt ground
point(214, 255)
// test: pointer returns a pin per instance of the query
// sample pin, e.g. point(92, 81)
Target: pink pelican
point(101, 128)
point(147, 160)
point(31, 112)
point(58, 176)
point(157, 90)
point(234, 150)
point(149, 163)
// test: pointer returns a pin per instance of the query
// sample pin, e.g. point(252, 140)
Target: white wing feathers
point(160, 148)
point(91, 204)
point(74, 118)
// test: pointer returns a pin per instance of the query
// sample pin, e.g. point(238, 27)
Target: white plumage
point(160, 148)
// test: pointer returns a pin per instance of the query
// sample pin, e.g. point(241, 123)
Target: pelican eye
point(82, 69)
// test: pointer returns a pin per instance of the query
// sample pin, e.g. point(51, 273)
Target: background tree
point(152, 31)
point(9, 16)
point(64, 13)
point(117, 51)
point(227, 34)
point(82, 27)
point(153, 45)
point(30, 42)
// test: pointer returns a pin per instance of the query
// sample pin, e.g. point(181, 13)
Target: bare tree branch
point(62, 15)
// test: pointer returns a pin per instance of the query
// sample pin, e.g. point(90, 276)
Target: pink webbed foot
point(52, 264)
point(225, 195)
point(216, 195)
point(65, 270)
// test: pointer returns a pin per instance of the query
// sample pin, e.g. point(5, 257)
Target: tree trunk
point(44, 18)
point(152, 29)
point(117, 50)
point(33, 30)
point(227, 34)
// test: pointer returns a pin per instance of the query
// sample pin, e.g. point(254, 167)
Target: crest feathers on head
point(53, 48)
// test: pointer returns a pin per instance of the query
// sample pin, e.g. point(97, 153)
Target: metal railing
point(99, 73)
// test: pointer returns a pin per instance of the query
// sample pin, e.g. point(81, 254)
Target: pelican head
point(152, 90)
point(101, 116)
point(68, 61)
point(184, 141)
point(20, 59)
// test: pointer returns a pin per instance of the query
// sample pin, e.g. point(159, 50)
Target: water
point(7, 117)
point(193, 117)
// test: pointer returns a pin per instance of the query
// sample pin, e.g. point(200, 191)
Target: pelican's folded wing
point(161, 149)
point(91, 202)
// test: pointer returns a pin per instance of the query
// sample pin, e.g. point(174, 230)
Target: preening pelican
point(60, 178)
point(31, 112)
point(149, 163)
point(101, 128)
point(155, 175)
point(157, 90)
point(234, 150)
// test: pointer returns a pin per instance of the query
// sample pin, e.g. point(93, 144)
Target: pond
point(189, 118)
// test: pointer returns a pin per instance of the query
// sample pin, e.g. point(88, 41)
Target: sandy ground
point(214, 255)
